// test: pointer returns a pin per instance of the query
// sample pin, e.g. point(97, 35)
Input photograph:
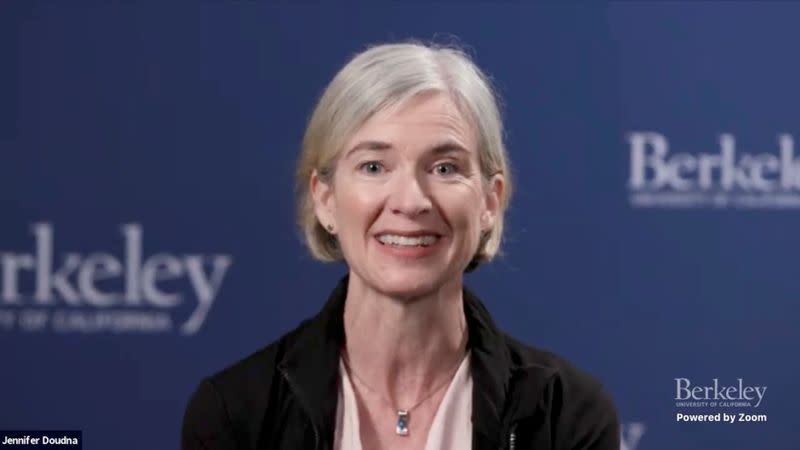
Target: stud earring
point(329, 227)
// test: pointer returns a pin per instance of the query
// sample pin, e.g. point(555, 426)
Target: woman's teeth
point(415, 241)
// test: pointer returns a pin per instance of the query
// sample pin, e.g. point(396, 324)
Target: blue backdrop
point(147, 237)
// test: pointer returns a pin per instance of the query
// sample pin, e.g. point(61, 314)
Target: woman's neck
point(403, 348)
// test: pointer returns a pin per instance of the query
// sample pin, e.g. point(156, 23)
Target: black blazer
point(284, 396)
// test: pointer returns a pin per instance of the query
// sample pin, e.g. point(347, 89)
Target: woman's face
point(407, 202)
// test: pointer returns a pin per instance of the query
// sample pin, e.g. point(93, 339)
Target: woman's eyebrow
point(437, 149)
point(368, 145)
point(448, 147)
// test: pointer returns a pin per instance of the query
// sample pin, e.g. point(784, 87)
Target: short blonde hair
point(378, 78)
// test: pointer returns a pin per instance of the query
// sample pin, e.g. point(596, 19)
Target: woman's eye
point(371, 167)
point(445, 169)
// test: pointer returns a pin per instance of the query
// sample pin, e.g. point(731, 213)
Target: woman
point(404, 176)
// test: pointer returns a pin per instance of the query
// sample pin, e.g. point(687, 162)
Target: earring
point(329, 227)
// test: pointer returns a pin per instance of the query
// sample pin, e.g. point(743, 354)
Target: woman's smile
point(413, 246)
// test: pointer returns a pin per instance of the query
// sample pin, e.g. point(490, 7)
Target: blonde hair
point(387, 75)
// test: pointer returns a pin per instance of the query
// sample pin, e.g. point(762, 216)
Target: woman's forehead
point(430, 121)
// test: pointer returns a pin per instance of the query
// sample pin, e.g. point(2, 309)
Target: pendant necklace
point(403, 414)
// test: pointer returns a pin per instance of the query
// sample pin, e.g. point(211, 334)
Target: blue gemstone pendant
point(402, 422)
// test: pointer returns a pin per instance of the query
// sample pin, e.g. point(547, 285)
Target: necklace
point(403, 414)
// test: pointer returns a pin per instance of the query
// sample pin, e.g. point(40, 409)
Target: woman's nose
point(409, 196)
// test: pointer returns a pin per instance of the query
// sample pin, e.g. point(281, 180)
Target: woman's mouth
point(413, 247)
point(408, 241)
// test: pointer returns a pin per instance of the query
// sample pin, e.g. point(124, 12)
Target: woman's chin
point(410, 284)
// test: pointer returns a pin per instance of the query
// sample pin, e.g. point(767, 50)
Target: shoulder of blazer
point(527, 357)
point(231, 404)
point(579, 409)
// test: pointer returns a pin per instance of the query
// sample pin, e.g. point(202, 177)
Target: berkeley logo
point(716, 394)
point(722, 179)
point(101, 292)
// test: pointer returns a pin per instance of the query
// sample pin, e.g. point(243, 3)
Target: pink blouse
point(451, 428)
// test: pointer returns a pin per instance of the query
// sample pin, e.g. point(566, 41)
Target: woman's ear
point(324, 202)
point(494, 192)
